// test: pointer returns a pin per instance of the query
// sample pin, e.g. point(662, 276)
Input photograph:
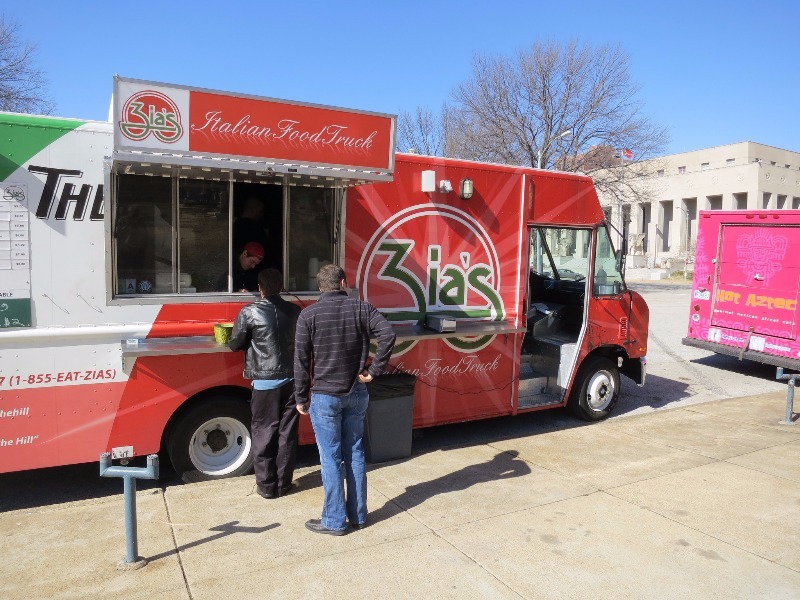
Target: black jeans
point(274, 432)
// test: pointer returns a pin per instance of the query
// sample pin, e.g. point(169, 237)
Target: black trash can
point(390, 417)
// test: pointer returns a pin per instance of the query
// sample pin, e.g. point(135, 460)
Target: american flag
point(627, 153)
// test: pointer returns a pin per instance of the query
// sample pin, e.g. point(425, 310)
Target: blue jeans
point(338, 423)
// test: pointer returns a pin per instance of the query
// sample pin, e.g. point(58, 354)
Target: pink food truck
point(744, 294)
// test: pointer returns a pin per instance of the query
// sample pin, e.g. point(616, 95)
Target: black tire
point(596, 389)
point(212, 440)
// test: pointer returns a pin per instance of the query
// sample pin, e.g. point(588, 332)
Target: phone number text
point(61, 377)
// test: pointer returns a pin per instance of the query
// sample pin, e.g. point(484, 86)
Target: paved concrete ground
point(696, 502)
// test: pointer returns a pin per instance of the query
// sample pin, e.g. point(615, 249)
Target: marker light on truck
point(623, 328)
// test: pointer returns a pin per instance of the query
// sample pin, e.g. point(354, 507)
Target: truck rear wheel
point(212, 441)
point(596, 389)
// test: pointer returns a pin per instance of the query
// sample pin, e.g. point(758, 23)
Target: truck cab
point(579, 312)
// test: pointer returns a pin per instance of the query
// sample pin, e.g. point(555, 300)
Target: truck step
point(536, 388)
point(533, 384)
point(541, 399)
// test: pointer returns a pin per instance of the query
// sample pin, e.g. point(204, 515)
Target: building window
point(704, 166)
point(660, 172)
point(681, 170)
point(666, 217)
point(730, 162)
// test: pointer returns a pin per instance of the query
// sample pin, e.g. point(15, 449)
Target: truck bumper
point(740, 353)
point(636, 369)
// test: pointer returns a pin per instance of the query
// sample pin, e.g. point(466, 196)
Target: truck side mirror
point(620, 258)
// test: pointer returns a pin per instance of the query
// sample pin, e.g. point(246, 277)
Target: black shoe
point(287, 489)
point(358, 525)
point(316, 526)
point(266, 495)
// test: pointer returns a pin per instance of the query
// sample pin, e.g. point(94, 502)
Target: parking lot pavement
point(695, 502)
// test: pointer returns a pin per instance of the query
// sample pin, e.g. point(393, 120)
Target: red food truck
point(745, 286)
point(119, 243)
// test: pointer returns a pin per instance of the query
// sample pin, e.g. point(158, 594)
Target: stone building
point(742, 176)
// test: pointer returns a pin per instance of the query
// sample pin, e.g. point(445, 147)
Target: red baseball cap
point(255, 249)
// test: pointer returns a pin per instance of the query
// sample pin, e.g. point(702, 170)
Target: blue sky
point(712, 73)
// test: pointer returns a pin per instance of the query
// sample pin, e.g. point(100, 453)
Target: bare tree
point(22, 85)
point(423, 131)
point(518, 111)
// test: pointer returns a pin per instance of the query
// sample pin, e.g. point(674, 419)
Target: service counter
point(202, 344)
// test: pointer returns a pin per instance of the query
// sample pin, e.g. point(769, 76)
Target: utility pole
point(566, 133)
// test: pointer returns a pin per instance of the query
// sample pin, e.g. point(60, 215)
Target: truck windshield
point(560, 252)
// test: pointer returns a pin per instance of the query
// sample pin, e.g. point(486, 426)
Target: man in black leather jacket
point(266, 328)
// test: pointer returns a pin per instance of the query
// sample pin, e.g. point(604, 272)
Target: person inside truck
point(244, 273)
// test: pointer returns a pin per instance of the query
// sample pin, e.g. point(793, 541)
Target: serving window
point(177, 234)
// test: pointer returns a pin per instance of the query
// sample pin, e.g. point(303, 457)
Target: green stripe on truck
point(24, 136)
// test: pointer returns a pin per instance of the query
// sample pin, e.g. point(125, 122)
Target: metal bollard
point(129, 476)
point(792, 381)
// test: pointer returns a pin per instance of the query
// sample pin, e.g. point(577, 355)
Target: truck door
point(558, 269)
point(758, 271)
point(609, 308)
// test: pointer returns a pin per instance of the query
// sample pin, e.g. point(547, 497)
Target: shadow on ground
point(73, 483)
point(503, 465)
point(658, 392)
point(743, 367)
point(58, 485)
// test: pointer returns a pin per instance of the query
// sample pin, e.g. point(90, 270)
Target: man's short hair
point(329, 278)
point(270, 281)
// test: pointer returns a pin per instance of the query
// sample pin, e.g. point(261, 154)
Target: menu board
point(15, 261)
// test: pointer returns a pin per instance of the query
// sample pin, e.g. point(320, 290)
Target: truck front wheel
point(212, 441)
point(596, 389)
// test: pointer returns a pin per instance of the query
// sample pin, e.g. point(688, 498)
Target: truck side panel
point(415, 253)
point(69, 386)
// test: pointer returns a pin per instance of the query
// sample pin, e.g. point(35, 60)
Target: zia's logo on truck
point(433, 259)
point(14, 193)
point(151, 112)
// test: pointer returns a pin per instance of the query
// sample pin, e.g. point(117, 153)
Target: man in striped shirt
point(332, 341)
